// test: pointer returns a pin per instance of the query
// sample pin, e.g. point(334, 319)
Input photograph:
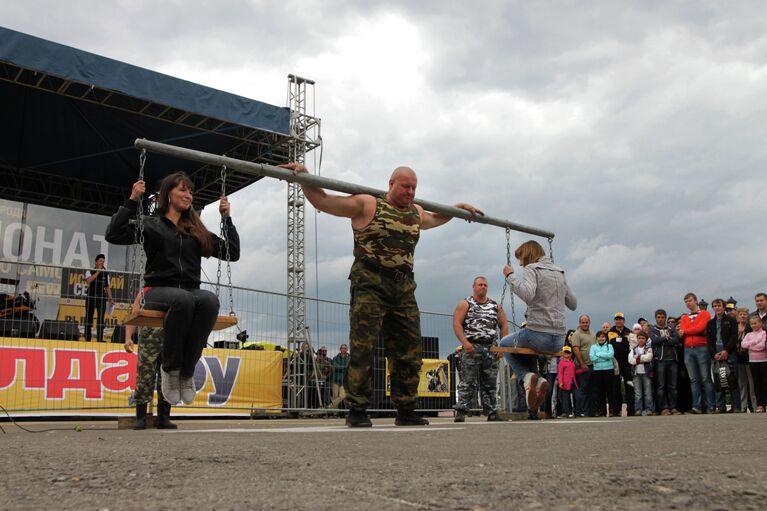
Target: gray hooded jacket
point(545, 291)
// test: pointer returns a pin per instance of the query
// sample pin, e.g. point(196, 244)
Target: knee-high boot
point(140, 416)
point(163, 416)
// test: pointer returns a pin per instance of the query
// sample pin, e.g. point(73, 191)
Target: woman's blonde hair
point(529, 252)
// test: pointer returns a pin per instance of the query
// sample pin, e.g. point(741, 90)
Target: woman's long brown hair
point(189, 223)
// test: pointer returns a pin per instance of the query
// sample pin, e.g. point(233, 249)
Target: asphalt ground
point(677, 462)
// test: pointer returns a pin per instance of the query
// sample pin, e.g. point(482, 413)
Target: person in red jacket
point(697, 359)
point(567, 381)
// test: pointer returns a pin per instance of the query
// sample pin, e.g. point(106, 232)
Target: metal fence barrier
point(47, 368)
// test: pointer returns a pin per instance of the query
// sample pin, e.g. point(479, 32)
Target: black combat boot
point(358, 419)
point(460, 416)
point(409, 418)
point(163, 416)
point(140, 416)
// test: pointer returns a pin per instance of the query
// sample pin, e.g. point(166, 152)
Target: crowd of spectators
point(697, 362)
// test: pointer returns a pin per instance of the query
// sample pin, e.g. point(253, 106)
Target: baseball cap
point(567, 349)
point(619, 315)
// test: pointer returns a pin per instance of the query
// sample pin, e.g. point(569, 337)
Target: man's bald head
point(402, 184)
point(400, 172)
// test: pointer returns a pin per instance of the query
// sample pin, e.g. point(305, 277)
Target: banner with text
point(47, 378)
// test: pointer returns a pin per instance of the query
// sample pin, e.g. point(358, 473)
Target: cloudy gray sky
point(632, 130)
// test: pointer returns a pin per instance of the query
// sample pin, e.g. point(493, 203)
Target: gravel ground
point(685, 462)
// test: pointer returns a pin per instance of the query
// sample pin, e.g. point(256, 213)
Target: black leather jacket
point(729, 334)
point(173, 259)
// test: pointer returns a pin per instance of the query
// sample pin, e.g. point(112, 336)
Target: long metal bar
point(261, 169)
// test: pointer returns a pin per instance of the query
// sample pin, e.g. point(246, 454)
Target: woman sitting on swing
point(175, 240)
point(545, 291)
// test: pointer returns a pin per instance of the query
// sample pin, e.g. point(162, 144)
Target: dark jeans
point(759, 372)
point(604, 391)
point(189, 319)
point(95, 304)
point(584, 394)
point(666, 376)
point(564, 397)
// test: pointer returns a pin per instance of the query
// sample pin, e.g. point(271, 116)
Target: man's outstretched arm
point(348, 206)
point(429, 219)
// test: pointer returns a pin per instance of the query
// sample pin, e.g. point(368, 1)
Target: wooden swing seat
point(156, 319)
point(524, 351)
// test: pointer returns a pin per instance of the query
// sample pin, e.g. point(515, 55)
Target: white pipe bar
point(261, 169)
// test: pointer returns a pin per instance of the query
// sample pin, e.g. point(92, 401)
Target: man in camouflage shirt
point(476, 322)
point(386, 230)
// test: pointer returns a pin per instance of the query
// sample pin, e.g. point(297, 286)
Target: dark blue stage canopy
point(70, 119)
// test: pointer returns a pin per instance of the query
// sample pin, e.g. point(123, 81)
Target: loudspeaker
point(21, 328)
point(60, 330)
point(118, 334)
point(227, 345)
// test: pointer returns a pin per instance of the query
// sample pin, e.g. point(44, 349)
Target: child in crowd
point(633, 335)
point(601, 355)
point(566, 381)
point(641, 358)
point(550, 404)
point(756, 343)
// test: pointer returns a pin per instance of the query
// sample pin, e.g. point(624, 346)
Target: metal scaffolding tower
point(305, 136)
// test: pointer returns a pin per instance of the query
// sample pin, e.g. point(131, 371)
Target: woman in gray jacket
point(546, 293)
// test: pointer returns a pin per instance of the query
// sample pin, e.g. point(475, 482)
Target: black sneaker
point(358, 419)
point(494, 417)
point(460, 416)
point(410, 418)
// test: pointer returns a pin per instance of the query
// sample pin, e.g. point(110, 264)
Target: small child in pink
point(756, 343)
point(566, 379)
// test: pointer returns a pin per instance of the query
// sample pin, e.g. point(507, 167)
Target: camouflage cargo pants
point(149, 359)
point(479, 371)
point(381, 305)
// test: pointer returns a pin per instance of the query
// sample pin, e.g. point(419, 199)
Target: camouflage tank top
point(389, 239)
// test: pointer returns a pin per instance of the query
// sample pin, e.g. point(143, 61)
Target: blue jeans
point(526, 338)
point(666, 376)
point(721, 403)
point(698, 364)
point(642, 386)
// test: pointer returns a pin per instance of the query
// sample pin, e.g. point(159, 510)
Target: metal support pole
point(261, 169)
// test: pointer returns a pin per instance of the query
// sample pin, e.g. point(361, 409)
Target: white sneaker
point(170, 386)
point(187, 390)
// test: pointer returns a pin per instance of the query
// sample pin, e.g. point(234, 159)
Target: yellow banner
point(44, 378)
point(433, 380)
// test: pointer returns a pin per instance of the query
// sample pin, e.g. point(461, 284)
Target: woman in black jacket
point(174, 241)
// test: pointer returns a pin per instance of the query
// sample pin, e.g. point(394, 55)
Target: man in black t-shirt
point(96, 299)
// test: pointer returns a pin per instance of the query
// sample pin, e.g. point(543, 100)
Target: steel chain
point(225, 236)
point(138, 239)
point(551, 249)
point(506, 284)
